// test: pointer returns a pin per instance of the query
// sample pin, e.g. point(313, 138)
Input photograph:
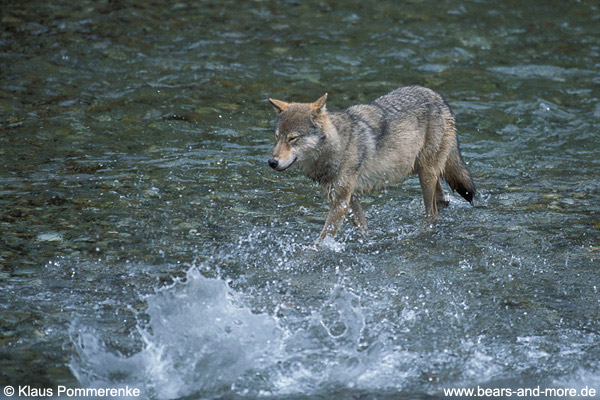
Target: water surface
point(145, 241)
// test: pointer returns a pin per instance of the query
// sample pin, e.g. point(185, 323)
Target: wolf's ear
point(279, 105)
point(319, 106)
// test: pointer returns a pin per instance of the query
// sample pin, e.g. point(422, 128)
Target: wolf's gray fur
point(369, 146)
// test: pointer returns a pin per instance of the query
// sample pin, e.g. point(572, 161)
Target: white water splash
point(202, 342)
point(199, 341)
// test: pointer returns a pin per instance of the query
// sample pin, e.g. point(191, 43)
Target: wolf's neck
point(331, 128)
point(343, 123)
point(326, 167)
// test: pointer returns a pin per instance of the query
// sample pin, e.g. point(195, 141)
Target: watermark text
point(27, 391)
point(538, 391)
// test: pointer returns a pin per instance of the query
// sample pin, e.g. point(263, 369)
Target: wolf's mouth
point(283, 169)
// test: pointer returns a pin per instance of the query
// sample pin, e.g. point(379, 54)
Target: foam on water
point(203, 341)
point(200, 340)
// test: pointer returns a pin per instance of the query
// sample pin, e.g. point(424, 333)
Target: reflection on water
point(145, 240)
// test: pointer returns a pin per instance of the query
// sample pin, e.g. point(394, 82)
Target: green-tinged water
point(146, 242)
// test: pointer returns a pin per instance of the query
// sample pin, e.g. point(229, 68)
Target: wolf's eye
point(293, 139)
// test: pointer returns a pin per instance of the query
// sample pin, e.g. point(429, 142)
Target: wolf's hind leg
point(428, 181)
point(357, 215)
point(440, 197)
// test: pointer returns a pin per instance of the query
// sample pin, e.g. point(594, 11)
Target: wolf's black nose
point(273, 163)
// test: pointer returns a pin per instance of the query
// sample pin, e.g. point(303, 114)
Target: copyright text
point(25, 391)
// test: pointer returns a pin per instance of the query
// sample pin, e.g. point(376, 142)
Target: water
point(145, 241)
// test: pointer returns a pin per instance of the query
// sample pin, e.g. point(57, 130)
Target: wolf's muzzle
point(273, 163)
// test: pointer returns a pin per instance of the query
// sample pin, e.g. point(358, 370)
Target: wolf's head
point(299, 129)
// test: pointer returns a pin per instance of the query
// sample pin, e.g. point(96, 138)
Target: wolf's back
point(410, 97)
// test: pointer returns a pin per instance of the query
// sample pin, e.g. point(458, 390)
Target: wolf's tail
point(457, 175)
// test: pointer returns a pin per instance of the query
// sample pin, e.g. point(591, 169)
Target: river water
point(146, 243)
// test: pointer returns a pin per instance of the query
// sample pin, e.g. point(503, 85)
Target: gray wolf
point(369, 146)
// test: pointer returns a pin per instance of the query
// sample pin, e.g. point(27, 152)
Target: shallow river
point(146, 243)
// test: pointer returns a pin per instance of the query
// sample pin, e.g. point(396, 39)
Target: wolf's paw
point(328, 243)
point(442, 203)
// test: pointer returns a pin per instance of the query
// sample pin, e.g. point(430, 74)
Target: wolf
point(410, 130)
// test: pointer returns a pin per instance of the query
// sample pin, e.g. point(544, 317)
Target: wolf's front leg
point(339, 203)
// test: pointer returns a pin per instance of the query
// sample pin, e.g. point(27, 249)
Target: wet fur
point(369, 146)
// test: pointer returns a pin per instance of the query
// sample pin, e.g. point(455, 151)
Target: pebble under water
point(146, 243)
